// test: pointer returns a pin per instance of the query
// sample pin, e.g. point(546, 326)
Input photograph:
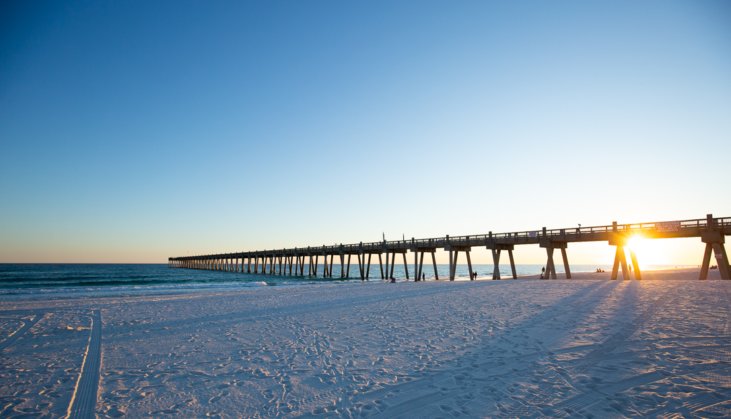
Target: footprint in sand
point(218, 397)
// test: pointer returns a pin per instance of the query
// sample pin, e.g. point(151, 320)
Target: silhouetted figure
point(423, 277)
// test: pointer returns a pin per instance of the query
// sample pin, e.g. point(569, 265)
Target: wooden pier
point(291, 262)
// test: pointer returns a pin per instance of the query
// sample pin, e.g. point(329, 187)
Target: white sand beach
point(582, 347)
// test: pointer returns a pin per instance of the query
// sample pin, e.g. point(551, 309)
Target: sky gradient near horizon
point(133, 131)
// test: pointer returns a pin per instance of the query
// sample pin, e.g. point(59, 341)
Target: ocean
point(71, 280)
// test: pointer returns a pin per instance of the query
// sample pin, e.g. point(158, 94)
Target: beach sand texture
point(511, 348)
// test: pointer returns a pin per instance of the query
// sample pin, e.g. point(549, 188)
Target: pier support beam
point(620, 256)
point(719, 251)
point(361, 263)
point(452, 262)
point(325, 272)
point(390, 259)
point(453, 256)
point(434, 262)
point(620, 259)
point(364, 265)
point(391, 263)
point(417, 266)
point(419, 261)
point(496, 249)
point(550, 245)
point(302, 265)
point(714, 241)
point(347, 269)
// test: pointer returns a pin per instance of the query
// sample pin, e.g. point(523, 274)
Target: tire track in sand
point(83, 400)
point(27, 324)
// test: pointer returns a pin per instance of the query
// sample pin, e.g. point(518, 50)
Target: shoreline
point(72, 292)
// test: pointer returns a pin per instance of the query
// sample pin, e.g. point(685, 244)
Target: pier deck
point(291, 261)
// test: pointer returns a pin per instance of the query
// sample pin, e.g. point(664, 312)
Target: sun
point(648, 252)
point(636, 243)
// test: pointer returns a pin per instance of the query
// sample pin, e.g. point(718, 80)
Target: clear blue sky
point(137, 130)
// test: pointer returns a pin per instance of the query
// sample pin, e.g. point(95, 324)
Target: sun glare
point(648, 253)
point(636, 242)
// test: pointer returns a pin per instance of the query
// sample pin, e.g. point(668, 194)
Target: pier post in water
point(342, 262)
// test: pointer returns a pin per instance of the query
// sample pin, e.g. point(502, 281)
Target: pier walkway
point(712, 232)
